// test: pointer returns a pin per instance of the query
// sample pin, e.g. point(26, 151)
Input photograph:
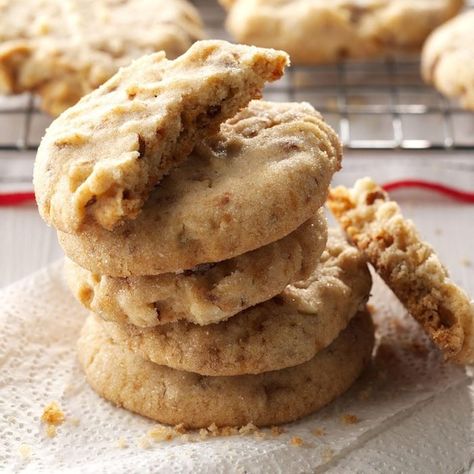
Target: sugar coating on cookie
point(320, 31)
point(265, 173)
point(282, 332)
point(173, 397)
point(448, 59)
point(64, 49)
point(205, 294)
point(408, 265)
point(101, 158)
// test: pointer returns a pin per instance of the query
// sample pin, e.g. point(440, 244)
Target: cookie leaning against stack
point(218, 295)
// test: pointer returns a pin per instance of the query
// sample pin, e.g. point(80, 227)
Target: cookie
point(285, 331)
point(64, 49)
point(408, 265)
point(98, 162)
point(447, 59)
point(208, 293)
point(174, 397)
point(265, 173)
point(319, 31)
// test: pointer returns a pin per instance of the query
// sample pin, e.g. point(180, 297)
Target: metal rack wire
point(377, 105)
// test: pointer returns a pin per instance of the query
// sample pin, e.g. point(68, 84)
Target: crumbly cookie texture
point(447, 59)
point(321, 31)
point(285, 331)
point(208, 293)
point(171, 396)
point(408, 265)
point(101, 158)
point(212, 208)
point(64, 49)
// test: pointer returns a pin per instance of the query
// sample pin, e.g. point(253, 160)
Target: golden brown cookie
point(408, 265)
point(98, 161)
point(321, 31)
point(285, 331)
point(174, 397)
point(447, 59)
point(261, 177)
point(64, 49)
point(208, 293)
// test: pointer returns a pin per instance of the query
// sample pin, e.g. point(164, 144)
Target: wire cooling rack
point(377, 105)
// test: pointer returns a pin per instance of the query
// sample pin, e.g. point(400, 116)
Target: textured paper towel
point(40, 323)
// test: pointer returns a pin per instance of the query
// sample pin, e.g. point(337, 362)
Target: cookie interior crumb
point(349, 419)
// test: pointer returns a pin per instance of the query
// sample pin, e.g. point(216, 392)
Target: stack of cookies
point(191, 217)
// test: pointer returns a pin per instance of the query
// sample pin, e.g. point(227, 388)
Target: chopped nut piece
point(53, 415)
point(349, 419)
point(296, 441)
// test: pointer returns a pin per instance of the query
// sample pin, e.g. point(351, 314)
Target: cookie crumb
point(74, 421)
point(327, 454)
point(248, 429)
point(181, 428)
point(122, 443)
point(276, 431)
point(349, 419)
point(465, 262)
point(162, 433)
point(53, 415)
point(260, 435)
point(438, 231)
point(25, 451)
point(51, 431)
point(318, 432)
point(419, 349)
point(144, 443)
point(365, 394)
point(203, 433)
point(296, 441)
point(213, 430)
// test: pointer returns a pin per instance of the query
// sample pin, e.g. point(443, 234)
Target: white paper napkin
point(40, 323)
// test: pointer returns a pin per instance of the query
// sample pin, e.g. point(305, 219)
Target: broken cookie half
point(409, 266)
point(101, 158)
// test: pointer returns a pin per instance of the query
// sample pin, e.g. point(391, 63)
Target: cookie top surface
point(409, 266)
point(101, 158)
point(282, 332)
point(448, 59)
point(63, 49)
point(265, 173)
point(208, 293)
point(338, 29)
point(173, 397)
